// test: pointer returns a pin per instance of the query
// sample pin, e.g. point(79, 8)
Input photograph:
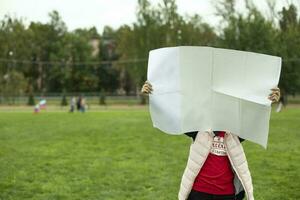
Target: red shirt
point(216, 175)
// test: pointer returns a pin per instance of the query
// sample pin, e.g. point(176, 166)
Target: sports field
point(116, 154)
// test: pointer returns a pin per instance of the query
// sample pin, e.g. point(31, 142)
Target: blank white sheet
point(202, 88)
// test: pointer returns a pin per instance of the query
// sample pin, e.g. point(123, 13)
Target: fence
point(58, 100)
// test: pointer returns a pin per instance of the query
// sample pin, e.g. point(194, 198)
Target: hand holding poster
point(202, 88)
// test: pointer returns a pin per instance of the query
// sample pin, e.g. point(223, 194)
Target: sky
point(98, 13)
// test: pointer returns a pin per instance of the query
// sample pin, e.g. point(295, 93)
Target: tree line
point(44, 58)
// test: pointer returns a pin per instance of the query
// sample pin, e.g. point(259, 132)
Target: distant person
point(43, 103)
point(78, 103)
point(37, 108)
point(72, 104)
point(82, 105)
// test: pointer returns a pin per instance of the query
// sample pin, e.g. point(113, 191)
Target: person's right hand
point(147, 88)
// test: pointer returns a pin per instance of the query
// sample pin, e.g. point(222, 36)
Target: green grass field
point(117, 154)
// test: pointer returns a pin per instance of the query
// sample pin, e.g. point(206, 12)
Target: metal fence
point(91, 99)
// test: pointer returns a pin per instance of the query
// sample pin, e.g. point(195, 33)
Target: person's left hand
point(275, 95)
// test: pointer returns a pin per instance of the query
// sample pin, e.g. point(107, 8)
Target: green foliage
point(102, 98)
point(113, 154)
point(64, 101)
point(31, 101)
point(50, 42)
point(12, 85)
point(158, 27)
point(289, 40)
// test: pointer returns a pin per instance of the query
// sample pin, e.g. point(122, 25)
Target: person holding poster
point(217, 167)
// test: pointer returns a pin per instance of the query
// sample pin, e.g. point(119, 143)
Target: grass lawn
point(117, 154)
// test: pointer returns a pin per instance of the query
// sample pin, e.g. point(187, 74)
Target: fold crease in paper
point(201, 88)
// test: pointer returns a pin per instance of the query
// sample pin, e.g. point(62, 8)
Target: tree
point(107, 72)
point(12, 85)
point(289, 39)
point(158, 27)
point(241, 31)
point(13, 45)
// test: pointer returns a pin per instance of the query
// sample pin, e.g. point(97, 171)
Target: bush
point(64, 101)
point(31, 101)
point(102, 99)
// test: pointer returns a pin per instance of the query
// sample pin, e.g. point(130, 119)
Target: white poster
point(202, 88)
